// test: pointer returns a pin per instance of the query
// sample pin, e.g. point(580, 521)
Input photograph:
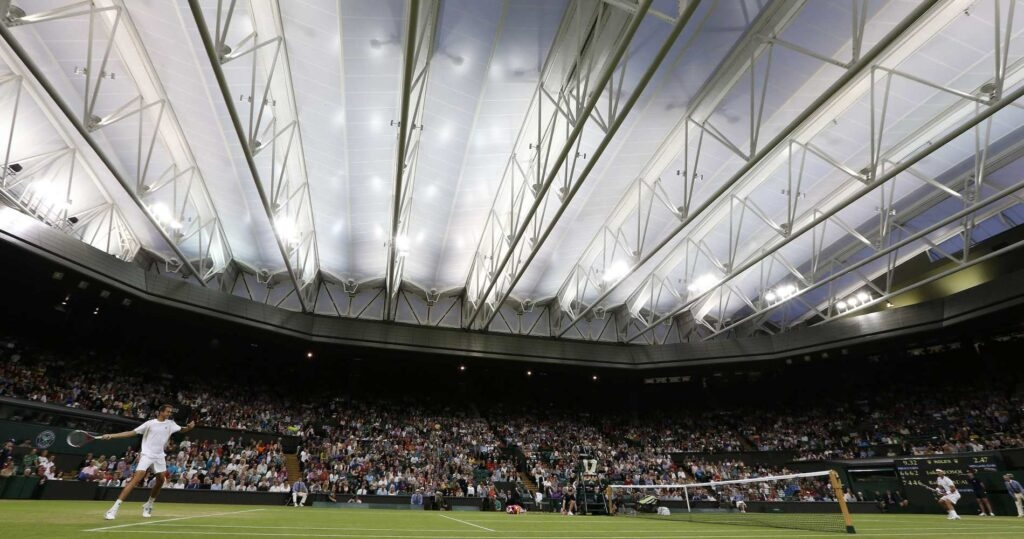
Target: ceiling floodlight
point(160, 211)
point(852, 301)
point(702, 284)
point(49, 194)
point(770, 296)
point(402, 244)
point(863, 297)
point(841, 305)
point(614, 272)
point(785, 291)
point(162, 215)
point(286, 230)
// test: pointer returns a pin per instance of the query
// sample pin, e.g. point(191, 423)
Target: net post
point(686, 496)
point(837, 488)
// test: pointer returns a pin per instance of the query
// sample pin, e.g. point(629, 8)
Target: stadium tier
point(705, 263)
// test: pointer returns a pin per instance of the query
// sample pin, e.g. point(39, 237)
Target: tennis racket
point(78, 438)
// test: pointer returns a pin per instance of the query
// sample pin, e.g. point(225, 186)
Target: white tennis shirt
point(155, 434)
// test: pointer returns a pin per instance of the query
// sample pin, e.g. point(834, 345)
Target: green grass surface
point(26, 519)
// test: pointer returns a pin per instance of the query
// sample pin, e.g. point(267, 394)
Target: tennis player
point(155, 434)
point(949, 495)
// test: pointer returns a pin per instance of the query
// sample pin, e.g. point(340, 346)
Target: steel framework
point(419, 50)
point(174, 199)
point(574, 81)
point(270, 138)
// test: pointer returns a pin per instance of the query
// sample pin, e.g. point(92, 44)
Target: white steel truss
point(757, 267)
point(575, 79)
point(267, 127)
point(896, 241)
point(162, 178)
point(691, 267)
point(57, 186)
point(419, 49)
point(619, 111)
point(889, 239)
point(748, 218)
point(619, 247)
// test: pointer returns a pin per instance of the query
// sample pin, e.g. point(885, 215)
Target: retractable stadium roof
point(626, 171)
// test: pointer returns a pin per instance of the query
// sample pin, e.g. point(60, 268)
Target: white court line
point(464, 522)
point(674, 536)
point(334, 528)
point(171, 520)
point(708, 533)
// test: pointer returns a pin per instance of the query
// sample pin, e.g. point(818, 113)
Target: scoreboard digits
point(921, 472)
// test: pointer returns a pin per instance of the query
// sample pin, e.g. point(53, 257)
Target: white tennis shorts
point(159, 465)
point(952, 497)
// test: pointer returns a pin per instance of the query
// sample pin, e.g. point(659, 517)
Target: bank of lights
point(780, 293)
point(857, 300)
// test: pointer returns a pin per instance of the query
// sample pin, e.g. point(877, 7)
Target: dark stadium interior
point(753, 262)
point(65, 314)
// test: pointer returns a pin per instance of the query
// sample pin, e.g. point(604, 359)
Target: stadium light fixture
point(785, 291)
point(402, 244)
point(160, 210)
point(770, 296)
point(702, 284)
point(50, 195)
point(617, 269)
point(863, 297)
point(162, 214)
point(287, 231)
point(841, 305)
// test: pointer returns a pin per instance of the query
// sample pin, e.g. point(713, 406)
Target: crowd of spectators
point(400, 446)
point(393, 447)
point(129, 390)
point(912, 422)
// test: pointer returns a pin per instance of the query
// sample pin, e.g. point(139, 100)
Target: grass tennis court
point(26, 519)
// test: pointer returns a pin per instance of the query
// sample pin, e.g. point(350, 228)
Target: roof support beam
point(28, 67)
point(929, 238)
point(889, 175)
point(600, 255)
point(419, 50)
point(285, 197)
point(185, 210)
point(619, 117)
point(43, 185)
point(881, 161)
point(855, 75)
point(532, 169)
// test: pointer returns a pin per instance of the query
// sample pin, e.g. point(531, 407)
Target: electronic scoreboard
point(917, 475)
